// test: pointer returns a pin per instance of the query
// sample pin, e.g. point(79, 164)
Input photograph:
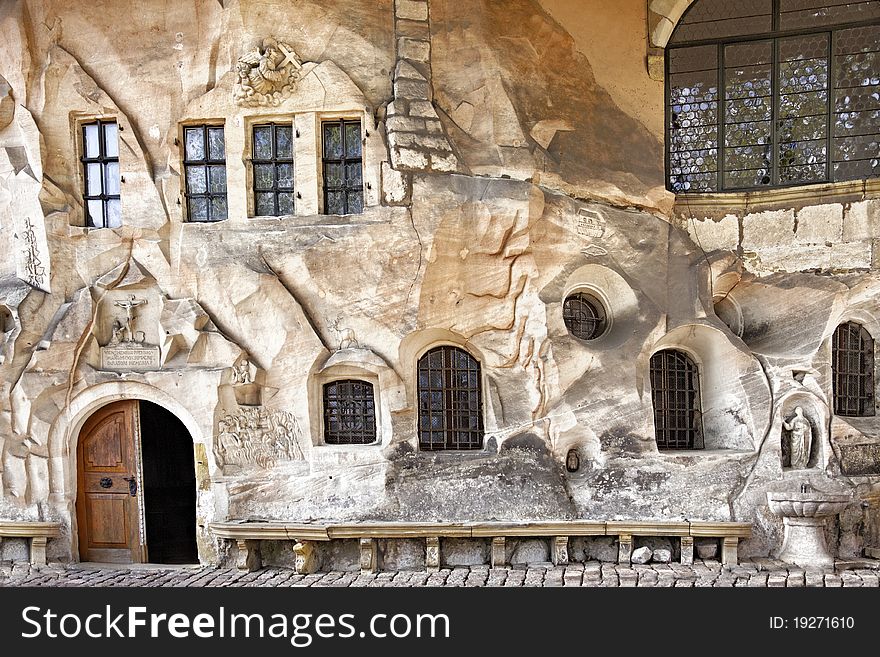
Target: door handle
point(132, 485)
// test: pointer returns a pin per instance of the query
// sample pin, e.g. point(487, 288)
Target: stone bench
point(39, 534)
point(247, 535)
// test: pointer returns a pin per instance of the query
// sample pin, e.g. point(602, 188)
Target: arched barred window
point(772, 93)
point(852, 368)
point(675, 393)
point(450, 400)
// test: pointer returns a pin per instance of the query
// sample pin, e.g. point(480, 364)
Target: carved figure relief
point(347, 337)
point(256, 436)
point(267, 74)
point(799, 440)
point(127, 348)
point(241, 373)
point(123, 328)
point(590, 223)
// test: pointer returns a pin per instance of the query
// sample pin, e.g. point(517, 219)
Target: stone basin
point(808, 505)
point(803, 515)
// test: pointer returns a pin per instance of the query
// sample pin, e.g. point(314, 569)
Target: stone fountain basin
point(808, 505)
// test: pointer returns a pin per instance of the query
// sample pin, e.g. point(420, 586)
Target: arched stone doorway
point(136, 486)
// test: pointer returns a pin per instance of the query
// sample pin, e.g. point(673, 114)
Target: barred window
point(675, 392)
point(450, 404)
point(100, 160)
point(773, 93)
point(273, 169)
point(584, 316)
point(343, 168)
point(205, 166)
point(852, 368)
point(349, 413)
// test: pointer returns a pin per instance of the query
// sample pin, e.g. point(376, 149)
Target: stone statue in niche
point(800, 439)
point(241, 373)
point(123, 329)
point(266, 74)
point(127, 348)
point(256, 436)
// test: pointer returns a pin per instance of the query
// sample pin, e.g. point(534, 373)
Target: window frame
point(449, 409)
point(207, 162)
point(324, 161)
point(325, 415)
point(102, 160)
point(253, 162)
point(866, 374)
point(696, 440)
point(599, 309)
point(775, 36)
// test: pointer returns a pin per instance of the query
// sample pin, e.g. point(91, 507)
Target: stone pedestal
point(804, 543)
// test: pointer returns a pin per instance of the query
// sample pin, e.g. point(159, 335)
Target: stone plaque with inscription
point(130, 358)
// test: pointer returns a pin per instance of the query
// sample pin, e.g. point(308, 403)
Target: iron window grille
point(349, 413)
point(852, 368)
point(343, 167)
point(450, 401)
point(273, 169)
point(772, 93)
point(675, 393)
point(100, 160)
point(584, 316)
point(205, 166)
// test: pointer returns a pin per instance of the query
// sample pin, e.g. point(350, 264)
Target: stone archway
point(65, 433)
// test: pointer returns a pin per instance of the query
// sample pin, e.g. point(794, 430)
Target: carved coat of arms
point(266, 75)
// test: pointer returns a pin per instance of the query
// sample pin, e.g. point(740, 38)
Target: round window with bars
point(584, 316)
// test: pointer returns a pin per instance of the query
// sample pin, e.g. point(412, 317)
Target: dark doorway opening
point(169, 486)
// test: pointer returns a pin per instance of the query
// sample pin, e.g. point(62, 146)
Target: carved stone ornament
point(36, 272)
point(127, 349)
point(266, 75)
point(800, 439)
point(256, 436)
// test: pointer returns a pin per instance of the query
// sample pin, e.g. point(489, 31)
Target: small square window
point(204, 164)
point(101, 179)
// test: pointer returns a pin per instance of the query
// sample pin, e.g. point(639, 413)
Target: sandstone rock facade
point(499, 177)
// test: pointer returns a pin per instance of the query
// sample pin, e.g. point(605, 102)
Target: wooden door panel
point(108, 527)
point(107, 511)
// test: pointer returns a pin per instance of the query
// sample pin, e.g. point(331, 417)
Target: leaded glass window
point(773, 93)
point(273, 169)
point(349, 413)
point(852, 368)
point(100, 160)
point(205, 166)
point(450, 403)
point(675, 393)
point(343, 168)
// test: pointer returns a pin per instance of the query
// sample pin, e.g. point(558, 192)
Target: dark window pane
point(349, 413)
point(852, 367)
point(675, 394)
point(217, 179)
point(353, 174)
point(285, 176)
point(198, 209)
point(332, 140)
point(285, 203)
point(353, 139)
point(343, 168)
point(284, 142)
point(262, 142)
point(335, 203)
point(584, 316)
point(218, 208)
point(450, 413)
point(264, 176)
point(355, 202)
point(216, 144)
point(334, 175)
point(195, 143)
point(195, 179)
point(265, 204)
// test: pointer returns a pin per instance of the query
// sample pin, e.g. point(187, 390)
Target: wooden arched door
point(107, 505)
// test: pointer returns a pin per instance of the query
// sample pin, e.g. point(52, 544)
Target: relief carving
point(266, 75)
point(127, 349)
point(256, 436)
point(591, 223)
point(34, 269)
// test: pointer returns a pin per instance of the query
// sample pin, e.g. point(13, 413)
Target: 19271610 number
point(824, 622)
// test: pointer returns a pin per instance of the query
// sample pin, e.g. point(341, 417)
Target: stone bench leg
point(560, 551)
point(432, 554)
point(306, 561)
point(249, 557)
point(368, 555)
point(625, 549)
point(498, 558)
point(687, 550)
point(729, 555)
point(38, 550)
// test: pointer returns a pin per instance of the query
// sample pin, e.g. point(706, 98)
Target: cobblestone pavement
point(756, 573)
